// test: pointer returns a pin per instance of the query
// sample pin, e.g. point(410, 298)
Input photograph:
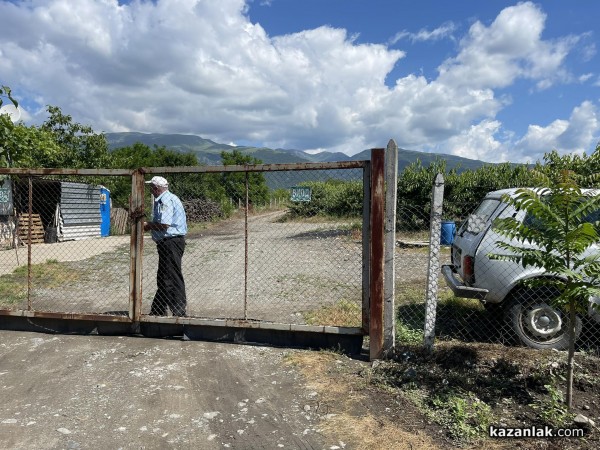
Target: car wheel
point(538, 325)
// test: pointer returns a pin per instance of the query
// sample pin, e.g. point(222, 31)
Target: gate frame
point(346, 338)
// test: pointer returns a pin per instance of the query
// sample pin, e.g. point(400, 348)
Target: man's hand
point(148, 226)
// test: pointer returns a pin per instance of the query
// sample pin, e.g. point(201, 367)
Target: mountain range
point(209, 152)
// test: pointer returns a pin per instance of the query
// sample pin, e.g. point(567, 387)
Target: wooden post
point(433, 266)
point(389, 308)
point(376, 253)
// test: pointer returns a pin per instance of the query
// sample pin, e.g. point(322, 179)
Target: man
point(168, 229)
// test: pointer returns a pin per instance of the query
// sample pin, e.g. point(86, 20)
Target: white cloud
point(478, 142)
point(442, 32)
point(510, 48)
point(183, 66)
point(577, 134)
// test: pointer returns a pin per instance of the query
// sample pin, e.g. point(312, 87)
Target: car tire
point(535, 323)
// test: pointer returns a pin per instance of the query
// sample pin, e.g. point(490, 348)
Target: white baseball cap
point(158, 182)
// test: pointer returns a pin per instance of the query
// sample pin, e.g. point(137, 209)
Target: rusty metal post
point(366, 248)
point(376, 253)
point(30, 226)
point(136, 211)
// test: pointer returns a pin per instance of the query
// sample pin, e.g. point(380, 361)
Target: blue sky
point(491, 80)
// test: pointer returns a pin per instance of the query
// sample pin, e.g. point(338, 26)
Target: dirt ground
point(65, 391)
point(98, 392)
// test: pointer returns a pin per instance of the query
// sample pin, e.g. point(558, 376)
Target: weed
point(552, 409)
point(464, 415)
point(407, 335)
point(343, 313)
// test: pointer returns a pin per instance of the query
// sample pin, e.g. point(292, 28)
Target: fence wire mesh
point(281, 246)
point(257, 249)
point(412, 259)
point(57, 254)
point(511, 312)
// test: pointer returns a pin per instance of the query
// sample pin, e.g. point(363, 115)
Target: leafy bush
point(331, 198)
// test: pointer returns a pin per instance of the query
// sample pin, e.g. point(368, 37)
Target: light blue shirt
point(168, 210)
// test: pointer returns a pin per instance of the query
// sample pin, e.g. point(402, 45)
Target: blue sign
point(300, 194)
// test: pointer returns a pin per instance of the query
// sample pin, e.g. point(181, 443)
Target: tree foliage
point(186, 186)
point(80, 146)
point(22, 146)
point(465, 190)
point(57, 143)
point(235, 182)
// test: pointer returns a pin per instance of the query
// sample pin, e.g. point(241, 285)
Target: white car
point(499, 284)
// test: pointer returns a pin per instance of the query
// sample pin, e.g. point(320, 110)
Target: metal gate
point(278, 253)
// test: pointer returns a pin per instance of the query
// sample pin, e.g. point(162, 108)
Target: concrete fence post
point(389, 309)
point(433, 266)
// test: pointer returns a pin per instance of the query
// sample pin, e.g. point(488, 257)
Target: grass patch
point(345, 406)
point(464, 415)
point(407, 335)
point(343, 313)
point(51, 274)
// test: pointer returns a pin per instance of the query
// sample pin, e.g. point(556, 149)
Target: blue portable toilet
point(104, 212)
point(448, 230)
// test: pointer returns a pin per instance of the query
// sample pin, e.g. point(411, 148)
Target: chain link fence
point(413, 256)
point(284, 246)
point(281, 246)
point(57, 251)
point(496, 303)
point(492, 304)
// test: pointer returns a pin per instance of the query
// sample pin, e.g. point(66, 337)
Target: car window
point(477, 221)
point(593, 217)
point(535, 223)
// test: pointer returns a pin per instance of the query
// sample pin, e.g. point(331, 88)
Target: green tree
point(81, 147)
point(235, 182)
point(583, 165)
point(564, 225)
point(22, 146)
point(187, 186)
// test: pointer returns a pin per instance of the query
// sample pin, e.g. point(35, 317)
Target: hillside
point(209, 152)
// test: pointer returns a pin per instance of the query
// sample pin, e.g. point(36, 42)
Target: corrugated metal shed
point(79, 216)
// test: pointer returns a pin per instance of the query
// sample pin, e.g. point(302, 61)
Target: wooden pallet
point(37, 228)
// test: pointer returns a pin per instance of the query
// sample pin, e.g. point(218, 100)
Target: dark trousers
point(170, 290)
